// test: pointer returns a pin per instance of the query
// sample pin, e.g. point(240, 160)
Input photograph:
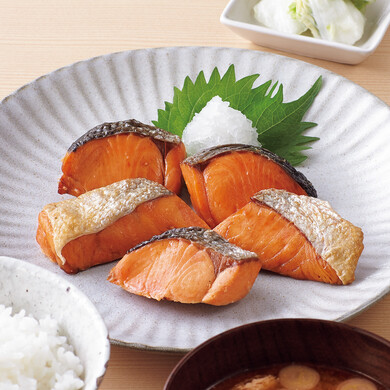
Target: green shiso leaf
point(279, 125)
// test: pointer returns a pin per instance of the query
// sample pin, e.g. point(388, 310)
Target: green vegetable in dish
point(362, 4)
point(332, 20)
point(279, 125)
point(276, 14)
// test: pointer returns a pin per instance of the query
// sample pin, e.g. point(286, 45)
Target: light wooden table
point(38, 36)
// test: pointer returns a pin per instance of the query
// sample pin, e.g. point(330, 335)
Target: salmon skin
point(103, 224)
point(296, 235)
point(188, 265)
point(115, 151)
point(221, 180)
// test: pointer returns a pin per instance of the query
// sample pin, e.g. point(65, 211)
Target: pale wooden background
point(38, 36)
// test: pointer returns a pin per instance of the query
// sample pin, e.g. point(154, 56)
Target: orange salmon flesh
point(182, 271)
point(148, 219)
point(103, 161)
point(280, 245)
point(228, 181)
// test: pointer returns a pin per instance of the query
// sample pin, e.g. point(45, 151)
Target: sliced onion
point(297, 377)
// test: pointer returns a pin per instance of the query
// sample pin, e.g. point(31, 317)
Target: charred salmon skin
point(188, 265)
point(122, 150)
point(296, 235)
point(221, 180)
point(103, 224)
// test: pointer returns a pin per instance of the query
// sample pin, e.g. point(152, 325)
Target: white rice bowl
point(218, 124)
point(53, 337)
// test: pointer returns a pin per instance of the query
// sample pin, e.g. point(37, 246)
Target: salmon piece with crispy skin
point(121, 150)
point(188, 265)
point(103, 224)
point(222, 179)
point(296, 235)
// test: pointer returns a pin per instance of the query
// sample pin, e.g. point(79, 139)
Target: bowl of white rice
point(52, 336)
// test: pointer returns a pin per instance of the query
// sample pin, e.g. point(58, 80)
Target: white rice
point(218, 124)
point(34, 356)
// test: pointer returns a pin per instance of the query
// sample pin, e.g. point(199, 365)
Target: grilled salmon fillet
point(122, 150)
point(222, 179)
point(103, 224)
point(188, 265)
point(296, 235)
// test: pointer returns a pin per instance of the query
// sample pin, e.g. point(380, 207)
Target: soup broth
point(298, 377)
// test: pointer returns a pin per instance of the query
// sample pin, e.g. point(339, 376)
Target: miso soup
point(298, 377)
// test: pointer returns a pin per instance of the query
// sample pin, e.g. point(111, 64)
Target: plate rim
point(162, 48)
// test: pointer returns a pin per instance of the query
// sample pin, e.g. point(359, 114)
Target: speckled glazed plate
point(349, 166)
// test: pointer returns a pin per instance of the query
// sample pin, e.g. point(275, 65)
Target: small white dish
point(238, 16)
point(40, 293)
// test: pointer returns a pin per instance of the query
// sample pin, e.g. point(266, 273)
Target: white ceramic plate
point(349, 166)
point(238, 16)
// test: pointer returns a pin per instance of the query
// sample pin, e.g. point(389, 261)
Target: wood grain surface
point(38, 36)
